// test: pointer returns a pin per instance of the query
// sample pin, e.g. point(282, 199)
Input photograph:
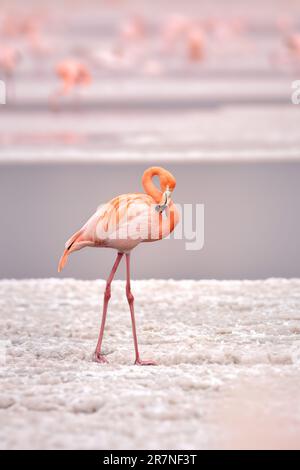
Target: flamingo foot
point(97, 357)
point(139, 362)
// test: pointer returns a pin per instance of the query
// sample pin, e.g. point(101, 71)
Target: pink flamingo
point(73, 73)
point(9, 57)
point(290, 56)
point(195, 44)
point(122, 224)
point(293, 44)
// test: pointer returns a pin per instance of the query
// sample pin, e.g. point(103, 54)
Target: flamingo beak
point(165, 201)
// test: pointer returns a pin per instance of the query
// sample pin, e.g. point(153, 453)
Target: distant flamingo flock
point(135, 45)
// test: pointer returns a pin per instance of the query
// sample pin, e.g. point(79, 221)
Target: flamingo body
point(293, 44)
point(72, 73)
point(9, 57)
point(195, 43)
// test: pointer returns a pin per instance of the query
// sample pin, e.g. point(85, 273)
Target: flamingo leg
point(130, 299)
point(98, 357)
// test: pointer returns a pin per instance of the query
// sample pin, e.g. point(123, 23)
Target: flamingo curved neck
point(149, 186)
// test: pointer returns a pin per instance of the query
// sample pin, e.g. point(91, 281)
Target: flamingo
point(290, 56)
point(72, 73)
point(293, 44)
point(195, 44)
point(9, 60)
point(122, 224)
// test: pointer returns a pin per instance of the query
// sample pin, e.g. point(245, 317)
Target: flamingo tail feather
point(69, 244)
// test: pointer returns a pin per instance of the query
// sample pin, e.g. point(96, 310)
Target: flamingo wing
point(121, 223)
point(124, 218)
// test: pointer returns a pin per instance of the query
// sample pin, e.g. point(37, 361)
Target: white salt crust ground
point(228, 376)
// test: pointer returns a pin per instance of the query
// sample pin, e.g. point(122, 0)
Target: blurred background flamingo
point(73, 74)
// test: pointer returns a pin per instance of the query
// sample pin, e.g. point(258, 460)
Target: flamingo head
point(165, 200)
point(167, 183)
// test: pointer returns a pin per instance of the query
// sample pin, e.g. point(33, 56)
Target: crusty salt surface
point(228, 354)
